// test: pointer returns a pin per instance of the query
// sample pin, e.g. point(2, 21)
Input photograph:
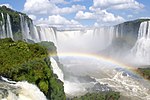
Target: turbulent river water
point(84, 73)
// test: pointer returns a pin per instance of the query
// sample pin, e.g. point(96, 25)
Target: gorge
point(100, 59)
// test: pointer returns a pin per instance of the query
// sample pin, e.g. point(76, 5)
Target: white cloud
point(65, 10)
point(100, 16)
point(117, 4)
point(84, 15)
point(77, 0)
point(33, 17)
point(38, 6)
point(110, 17)
point(7, 5)
point(59, 21)
point(49, 7)
point(59, 1)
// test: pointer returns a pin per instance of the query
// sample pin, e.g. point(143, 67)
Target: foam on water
point(128, 83)
point(21, 91)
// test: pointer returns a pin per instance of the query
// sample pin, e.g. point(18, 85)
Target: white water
point(47, 34)
point(87, 40)
point(56, 69)
point(130, 85)
point(6, 31)
point(22, 91)
point(3, 32)
point(8, 27)
point(25, 28)
point(36, 33)
point(141, 50)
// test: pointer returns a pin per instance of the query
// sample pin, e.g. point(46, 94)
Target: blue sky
point(81, 13)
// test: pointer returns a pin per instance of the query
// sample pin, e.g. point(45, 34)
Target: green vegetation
point(134, 22)
point(50, 47)
point(30, 62)
point(99, 96)
point(145, 72)
point(140, 20)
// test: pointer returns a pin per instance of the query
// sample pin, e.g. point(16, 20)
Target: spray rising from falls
point(86, 40)
point(142, 47)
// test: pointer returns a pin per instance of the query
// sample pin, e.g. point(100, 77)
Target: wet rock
point(99, 88)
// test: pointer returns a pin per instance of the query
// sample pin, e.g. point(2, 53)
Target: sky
point(80, 13)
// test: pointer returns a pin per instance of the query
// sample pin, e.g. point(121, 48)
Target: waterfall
point(87, 40)
point(3, 32)
point(93, 40)
point(56, 69)
point(46, 34)
point(25, 28)
point(22, 26)
point(141, 48)
point(105, 34)
point(36, 33)
point(5, 27)
point(8, 27)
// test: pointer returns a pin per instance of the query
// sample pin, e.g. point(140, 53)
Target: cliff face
point(14, 20)
point(127, 36)
point(19, 26)
point(129, 30)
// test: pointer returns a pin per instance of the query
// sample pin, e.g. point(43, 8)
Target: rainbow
point(96, 57)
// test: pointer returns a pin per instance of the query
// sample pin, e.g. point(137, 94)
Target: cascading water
point(56, 69)
point(6, 31)
point(3, 32)
point(8, 28)
point(47, 34)
point(25, 28)
point(141, 48)
point(19, 91)
point(87, 40)
point(36, 33)
point(105, 35)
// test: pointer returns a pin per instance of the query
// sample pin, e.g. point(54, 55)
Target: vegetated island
point(144, 71)
point(21, 61)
